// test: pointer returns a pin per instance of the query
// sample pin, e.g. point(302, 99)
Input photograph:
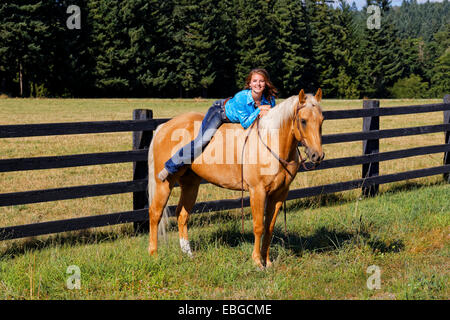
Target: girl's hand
point(264, 109)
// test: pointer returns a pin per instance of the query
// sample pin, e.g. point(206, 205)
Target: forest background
point(205, 48)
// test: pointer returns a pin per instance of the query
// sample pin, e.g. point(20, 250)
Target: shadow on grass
point(410, 186)
point(322, 240)
point(205, 218)
point(332, 199)
point(325, 200)
point(73, 238)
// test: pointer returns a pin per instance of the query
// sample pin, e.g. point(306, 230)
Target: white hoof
point(186, 247)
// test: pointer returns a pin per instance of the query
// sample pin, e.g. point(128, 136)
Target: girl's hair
point(270, 90)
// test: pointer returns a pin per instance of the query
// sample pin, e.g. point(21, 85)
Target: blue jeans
point(211, 122)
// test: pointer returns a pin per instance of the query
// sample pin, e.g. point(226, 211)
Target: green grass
point(331, 240)
point(324, 255)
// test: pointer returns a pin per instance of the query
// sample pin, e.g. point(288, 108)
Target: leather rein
point(284, 163)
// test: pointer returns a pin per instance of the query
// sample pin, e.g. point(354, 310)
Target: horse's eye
point(303, 122)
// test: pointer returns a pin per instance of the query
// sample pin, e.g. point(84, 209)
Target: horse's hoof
point(186, 247)
point(269, 264)
point(260, 267)
point(258, 264)
point(152, 252)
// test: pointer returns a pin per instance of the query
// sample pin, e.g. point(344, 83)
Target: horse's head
point(308, 125)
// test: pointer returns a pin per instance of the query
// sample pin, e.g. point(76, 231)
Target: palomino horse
point(296, 119)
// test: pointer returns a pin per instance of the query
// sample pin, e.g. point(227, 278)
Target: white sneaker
point(163, 174)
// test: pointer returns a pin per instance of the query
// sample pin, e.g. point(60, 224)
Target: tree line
point(192, 48)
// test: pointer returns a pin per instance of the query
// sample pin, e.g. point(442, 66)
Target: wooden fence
point(142, 127)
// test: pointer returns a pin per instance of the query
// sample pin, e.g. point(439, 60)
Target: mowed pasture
point(331, 240)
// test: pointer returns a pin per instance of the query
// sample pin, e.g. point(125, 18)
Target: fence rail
point(68, 128)
point(143, 126)
point(382, 134)
point(391, 111)
point(56, 162)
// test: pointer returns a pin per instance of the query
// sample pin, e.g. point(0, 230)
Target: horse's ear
point(319, 95)
point(301, 97)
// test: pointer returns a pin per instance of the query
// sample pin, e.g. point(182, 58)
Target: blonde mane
point(279, 114)
point(285, 110)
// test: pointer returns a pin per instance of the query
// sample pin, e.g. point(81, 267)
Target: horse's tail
point(151, 172)
point(152, 186)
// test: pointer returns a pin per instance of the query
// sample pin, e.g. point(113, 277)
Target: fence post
point(447, 137)
point(141, 140)
point(371, 146)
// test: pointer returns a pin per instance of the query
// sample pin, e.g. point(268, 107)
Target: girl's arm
point(247, 119)
point(266, 107)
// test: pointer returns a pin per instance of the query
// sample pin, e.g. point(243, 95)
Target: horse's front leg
point(274, 203)
point(257, 203)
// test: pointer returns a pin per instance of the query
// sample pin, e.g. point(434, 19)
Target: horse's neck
point(287, 142)
point(281, 118)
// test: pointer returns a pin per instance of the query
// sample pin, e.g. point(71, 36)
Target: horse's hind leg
point(189, 184)
point(159, 201)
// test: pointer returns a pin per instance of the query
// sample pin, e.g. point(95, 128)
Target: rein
point(284, 163)
point(242, 174)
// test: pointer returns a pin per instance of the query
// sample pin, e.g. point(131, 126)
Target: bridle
point(284, 163)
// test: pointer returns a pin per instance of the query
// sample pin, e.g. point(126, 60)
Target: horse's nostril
point(316, 157)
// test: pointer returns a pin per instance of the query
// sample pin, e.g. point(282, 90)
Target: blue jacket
point(242, 108)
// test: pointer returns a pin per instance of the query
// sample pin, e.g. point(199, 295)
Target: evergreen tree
point(440, 81)
point(111, 46)
point(380, 56)
point(413, 58)
point(26, 44)
point(331, 53)
point(440, 70)
point(224, 55)
point(197, 44)
point(207, 47)
point(347, 83)
point(420, 20)
point(293, 47)
point(255, 38)
point(72, 61)
point(149, 31)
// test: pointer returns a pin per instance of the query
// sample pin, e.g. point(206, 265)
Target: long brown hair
point(269, 90)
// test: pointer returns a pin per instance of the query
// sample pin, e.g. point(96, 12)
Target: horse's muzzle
point(317, 158)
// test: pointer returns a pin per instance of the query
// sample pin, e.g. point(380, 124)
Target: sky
point(361, 3)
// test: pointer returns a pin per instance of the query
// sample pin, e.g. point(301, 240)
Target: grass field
point(331, 240)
